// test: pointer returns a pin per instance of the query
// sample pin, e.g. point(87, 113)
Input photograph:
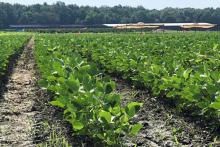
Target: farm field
point(182, 67)
point(159, 89)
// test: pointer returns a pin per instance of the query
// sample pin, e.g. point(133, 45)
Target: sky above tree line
point(149, 4)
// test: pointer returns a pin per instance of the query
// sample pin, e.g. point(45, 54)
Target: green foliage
point(184, 67)
point(88, 100)
point(10, 44)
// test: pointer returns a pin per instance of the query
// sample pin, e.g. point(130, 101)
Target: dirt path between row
point(162, 126)
point(16, 107)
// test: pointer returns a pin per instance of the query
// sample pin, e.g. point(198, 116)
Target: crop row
point(182, 67)
point(10, 44)
point(86, 97)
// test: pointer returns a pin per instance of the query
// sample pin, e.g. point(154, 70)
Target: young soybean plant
point(88, 101)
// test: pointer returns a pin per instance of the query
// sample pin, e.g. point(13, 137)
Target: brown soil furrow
point(16, 115)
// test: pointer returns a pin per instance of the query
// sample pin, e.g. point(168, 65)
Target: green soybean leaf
point(133, 108)
point(186, 73)
point(215, 105)
point(113, 99)
point(136, 128)
point(73, 83)
point(51, 78)
point(77, 125)
point(171, 93)
point(105, 115)
point(57, 103)
point(85, 68)
point(218, 98)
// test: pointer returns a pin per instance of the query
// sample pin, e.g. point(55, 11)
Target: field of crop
point(79, 71)
point(181, 67)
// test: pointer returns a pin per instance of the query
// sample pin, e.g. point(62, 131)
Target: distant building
point(172, 26)
point(139, 25)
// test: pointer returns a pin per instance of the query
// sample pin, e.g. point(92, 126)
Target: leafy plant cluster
point(183, 67)
point(86, 97)
point(10, 44)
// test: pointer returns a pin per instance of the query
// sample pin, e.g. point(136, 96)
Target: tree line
point(60, 13)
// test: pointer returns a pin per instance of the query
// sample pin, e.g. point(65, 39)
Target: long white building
point(157, 25)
